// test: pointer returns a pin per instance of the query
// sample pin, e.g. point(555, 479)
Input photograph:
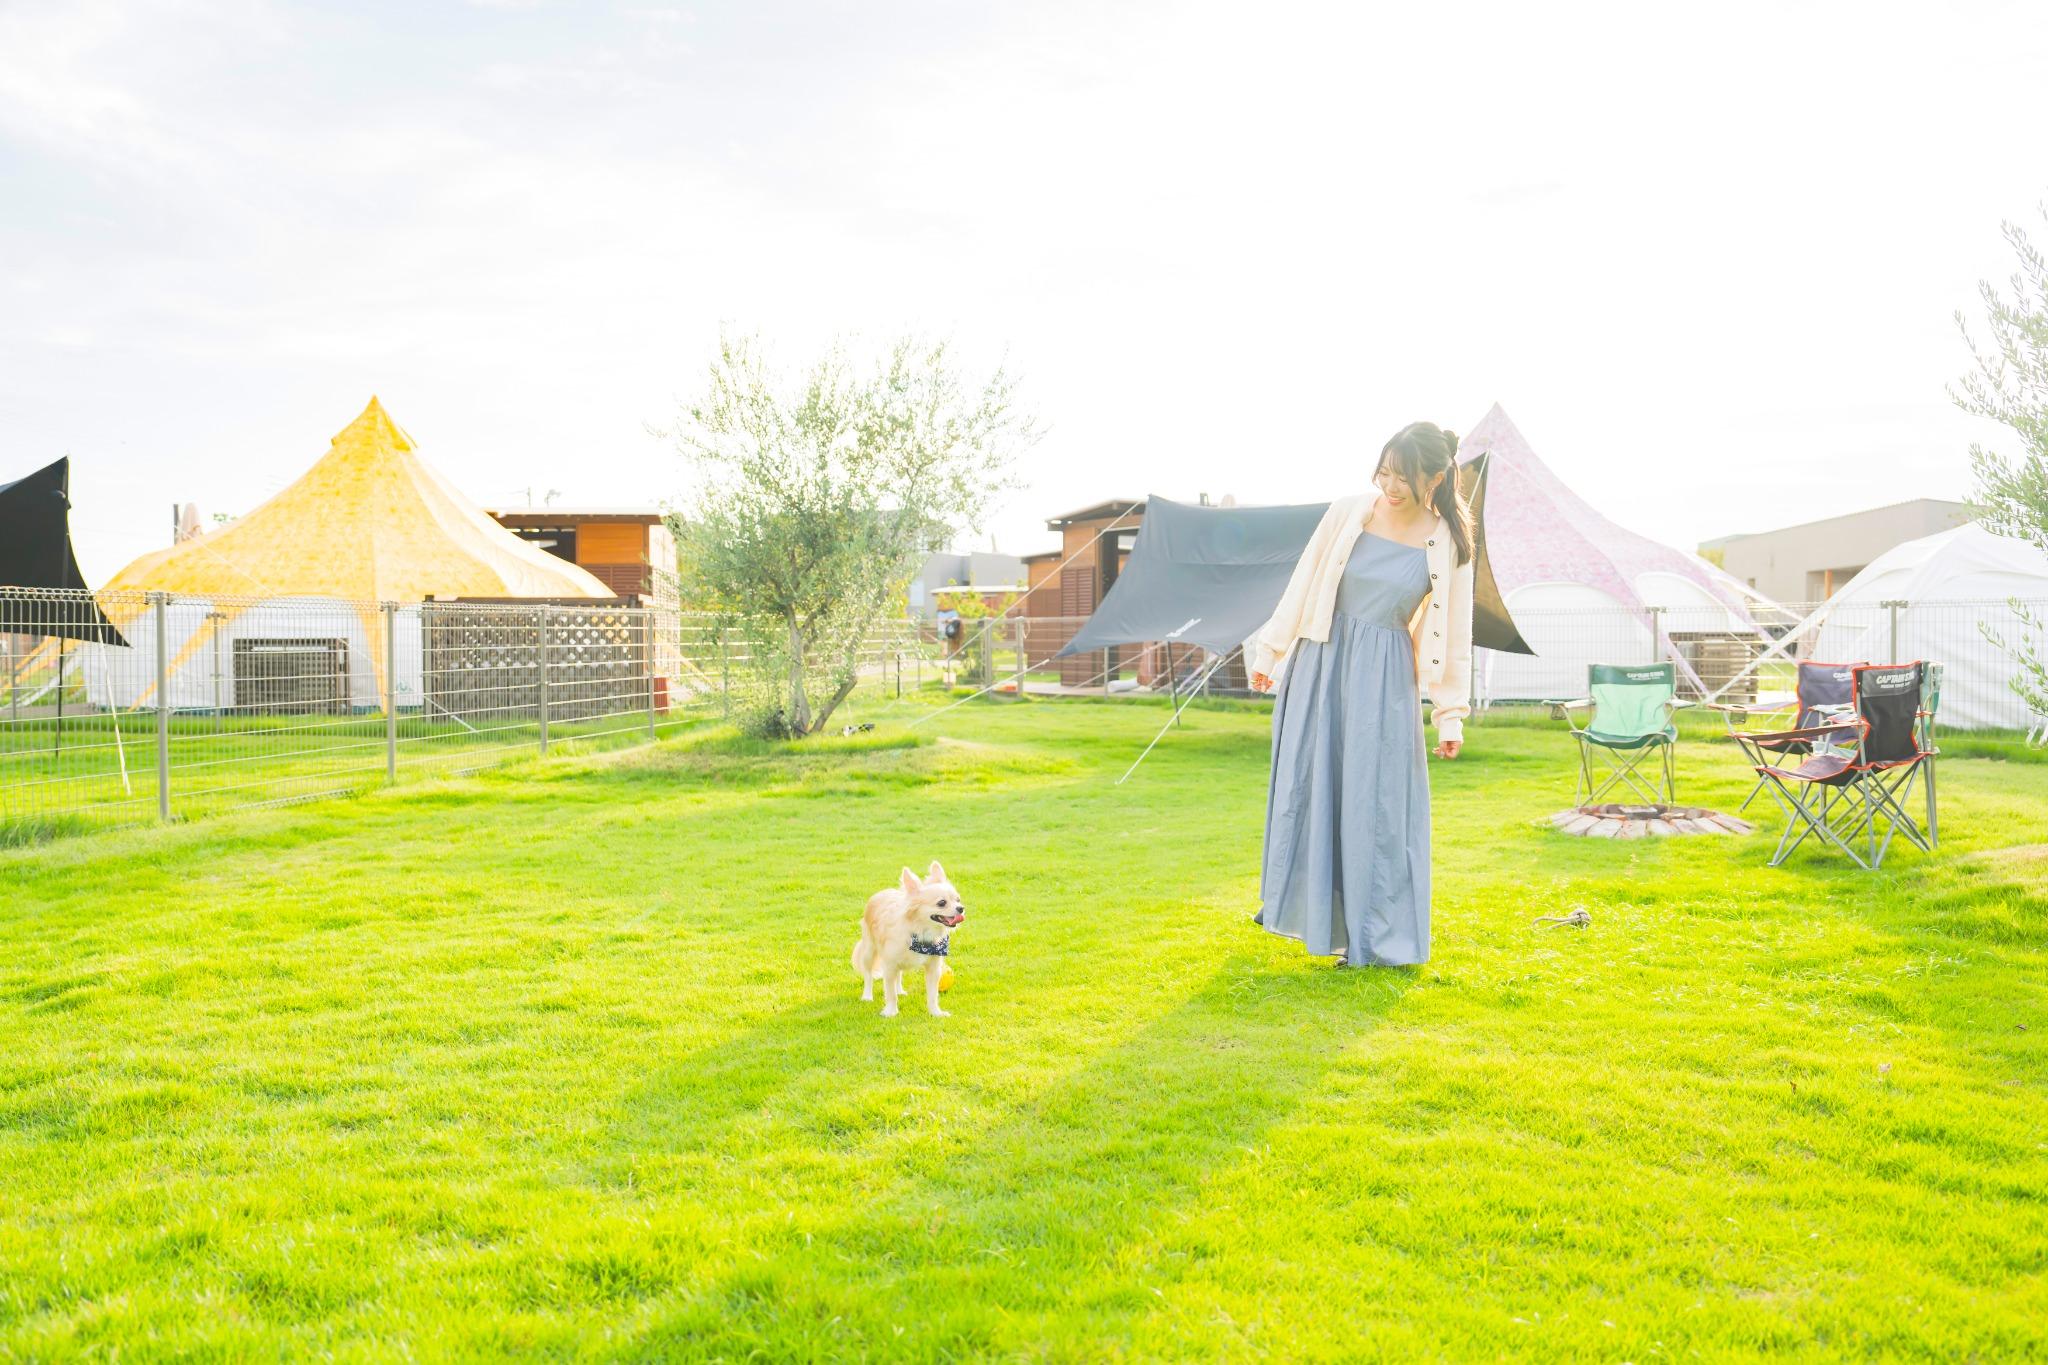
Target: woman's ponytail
point(1451, 504)
point(1419, 452)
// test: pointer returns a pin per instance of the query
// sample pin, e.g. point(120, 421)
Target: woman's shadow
point(1035, 1207)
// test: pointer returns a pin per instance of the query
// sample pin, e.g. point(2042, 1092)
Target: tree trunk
point(799, 718)
point(846, 686)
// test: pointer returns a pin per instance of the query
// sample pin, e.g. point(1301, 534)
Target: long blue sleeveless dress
point(1347, 817)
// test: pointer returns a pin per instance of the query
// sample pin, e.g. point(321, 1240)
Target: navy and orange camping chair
point(1861, 762)
point(1818, 685)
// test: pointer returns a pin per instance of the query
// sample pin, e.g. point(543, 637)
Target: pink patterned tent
point(1539, 531)
point(1582, 588)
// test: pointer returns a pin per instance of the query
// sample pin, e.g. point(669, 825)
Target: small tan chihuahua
point(912, 920)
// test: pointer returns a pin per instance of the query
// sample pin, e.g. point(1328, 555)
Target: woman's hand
point(1260, 682)
point(1449, 748)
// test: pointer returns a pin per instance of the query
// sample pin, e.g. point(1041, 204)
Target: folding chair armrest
point(1734, 714)
point(1810, 732)
point(1680, 703)
point(1562, 710)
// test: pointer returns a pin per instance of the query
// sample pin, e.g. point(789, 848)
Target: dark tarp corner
point(1492, 626)
point(35, 552)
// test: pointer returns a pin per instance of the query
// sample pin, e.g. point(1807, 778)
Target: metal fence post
point(1893, 607)
point(648, 617)
point(391, 691)
point(1023, 659)
point(543, 682)
point(1656, 615)
point(161, 602)
point(724, 674)
point(217, 619)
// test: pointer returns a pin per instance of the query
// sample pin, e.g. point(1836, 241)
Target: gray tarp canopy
point(1210, 576)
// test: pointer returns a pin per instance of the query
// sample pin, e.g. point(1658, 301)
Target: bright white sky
point(1708, 263)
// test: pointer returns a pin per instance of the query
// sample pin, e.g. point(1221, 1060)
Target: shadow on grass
point(688, 1105)
point(998, 1236)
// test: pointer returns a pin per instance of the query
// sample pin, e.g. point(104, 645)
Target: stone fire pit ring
point(1620, 821)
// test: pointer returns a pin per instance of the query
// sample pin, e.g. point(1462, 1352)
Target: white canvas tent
point(1579, 586)
point(1952, 586)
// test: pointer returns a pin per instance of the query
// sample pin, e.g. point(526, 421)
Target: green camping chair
point(1632, 707)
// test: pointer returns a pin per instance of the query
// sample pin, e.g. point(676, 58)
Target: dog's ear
point(911, 885)
point(937, 874)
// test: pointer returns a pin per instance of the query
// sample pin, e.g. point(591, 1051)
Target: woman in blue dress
point(1377, 613)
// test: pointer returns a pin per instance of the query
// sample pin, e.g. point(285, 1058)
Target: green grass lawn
point(99, 770)
point(566, 1059)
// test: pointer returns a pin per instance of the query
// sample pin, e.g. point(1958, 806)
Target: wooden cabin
point(1067, 584)
point(620, 545)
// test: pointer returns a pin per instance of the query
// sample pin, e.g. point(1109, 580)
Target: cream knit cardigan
point(1441, 630)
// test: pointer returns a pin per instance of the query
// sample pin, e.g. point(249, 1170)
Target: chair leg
point(1785, 843)
point(1836, 799)
point(1878, 801)
point(1799, 820)
point(1816, 816)
point(1626, 770)
point(1617, 770)
point(1892, 798)
point(1610, 773)
point(1764, 782)
point(1811, 819)
point(1895, 820)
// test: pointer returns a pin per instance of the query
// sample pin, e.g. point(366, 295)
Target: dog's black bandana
point(936, 948)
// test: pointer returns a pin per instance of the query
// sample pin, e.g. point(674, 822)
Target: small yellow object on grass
point(945, 978)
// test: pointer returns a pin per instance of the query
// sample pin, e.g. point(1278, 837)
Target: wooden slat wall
point(1077, 600)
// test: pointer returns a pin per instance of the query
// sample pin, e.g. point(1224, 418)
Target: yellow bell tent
point(369, 523)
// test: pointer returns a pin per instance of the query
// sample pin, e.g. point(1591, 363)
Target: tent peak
point(371, 521)
point(1496, 428)
point(374, 426)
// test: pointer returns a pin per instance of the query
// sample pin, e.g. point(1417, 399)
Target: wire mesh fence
point(1752, 657)
point(188, 707)
point(127, 707)
point(174, 707)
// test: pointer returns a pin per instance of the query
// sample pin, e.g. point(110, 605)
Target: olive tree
point(816, 497)
point(2010, 386)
